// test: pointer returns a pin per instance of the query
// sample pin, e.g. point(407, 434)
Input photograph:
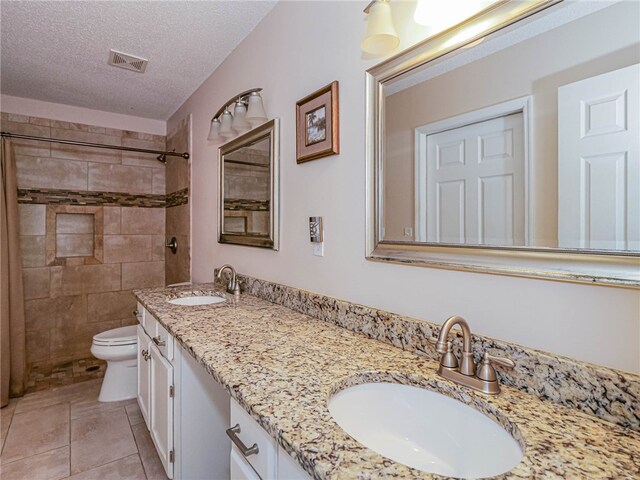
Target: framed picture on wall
point(317, 125)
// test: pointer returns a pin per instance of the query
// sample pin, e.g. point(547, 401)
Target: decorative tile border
point(603, 392)
point(175, 199)
point(246, 205)
point(97, 199)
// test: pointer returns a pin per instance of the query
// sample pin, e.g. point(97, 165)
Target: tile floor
point(65, 432)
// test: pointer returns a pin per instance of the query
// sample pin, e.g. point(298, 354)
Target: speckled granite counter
point(282, 366)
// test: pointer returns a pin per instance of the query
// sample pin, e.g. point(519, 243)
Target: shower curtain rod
point(162, 156)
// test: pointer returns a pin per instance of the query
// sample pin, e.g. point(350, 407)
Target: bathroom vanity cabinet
point(185, 410)
point(250, 350)
point(156, 389)
point(188, 413)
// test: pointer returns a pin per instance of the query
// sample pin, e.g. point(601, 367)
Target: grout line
point(34, 455)
point(135, 440)
point(70, 439)
point(9, 427)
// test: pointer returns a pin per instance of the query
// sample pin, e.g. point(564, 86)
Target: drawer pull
point(233, 435)
point(136, 313)
point(158, 342)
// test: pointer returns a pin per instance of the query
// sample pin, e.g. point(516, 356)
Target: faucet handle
point(487, 372)
point(449, 358)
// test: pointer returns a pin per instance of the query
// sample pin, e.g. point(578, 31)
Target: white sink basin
point(425, 430)
point(197, 300)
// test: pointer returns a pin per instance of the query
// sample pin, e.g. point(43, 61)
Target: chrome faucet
point(233, 286)
point(485, 379)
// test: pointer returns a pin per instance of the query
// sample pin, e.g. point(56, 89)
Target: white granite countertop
point(282, 367)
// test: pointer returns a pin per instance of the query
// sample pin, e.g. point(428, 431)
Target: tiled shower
point(93, 226)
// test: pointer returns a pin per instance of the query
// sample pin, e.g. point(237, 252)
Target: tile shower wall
point(84, 248)
point(177, 212)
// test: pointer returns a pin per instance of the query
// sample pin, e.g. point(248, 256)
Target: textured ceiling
point(57, 51)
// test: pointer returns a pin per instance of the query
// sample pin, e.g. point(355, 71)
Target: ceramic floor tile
point(67, 393)
point(128, 468)
point(134, 414)
point(99, 439)
point(150, 459)
point(36, 432)
point(91, 406)
point(51, 465)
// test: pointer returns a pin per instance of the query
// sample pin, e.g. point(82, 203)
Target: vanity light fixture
point(248, 112)
point(380, 37)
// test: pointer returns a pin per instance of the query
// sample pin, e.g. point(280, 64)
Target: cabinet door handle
point(244, 450)
point(157, 340)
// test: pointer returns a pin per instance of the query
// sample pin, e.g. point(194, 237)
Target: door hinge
point(172, 456)
point(172, 391)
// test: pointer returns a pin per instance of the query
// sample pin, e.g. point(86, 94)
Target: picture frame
point(317, 124)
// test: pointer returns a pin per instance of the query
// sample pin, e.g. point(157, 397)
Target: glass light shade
point(381, 36)
point(225, 125)
point(214, 131)
point(240, 123)
point(255, 113)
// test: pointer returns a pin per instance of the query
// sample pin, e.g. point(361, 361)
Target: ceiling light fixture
point(248, 112)
point(380, 37)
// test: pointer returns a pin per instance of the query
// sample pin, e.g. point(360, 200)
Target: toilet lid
point(117, 336)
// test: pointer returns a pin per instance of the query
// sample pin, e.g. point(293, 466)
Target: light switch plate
point(318, 249)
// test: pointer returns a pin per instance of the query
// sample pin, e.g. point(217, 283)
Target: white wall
point(69, 113)
point(302, 46)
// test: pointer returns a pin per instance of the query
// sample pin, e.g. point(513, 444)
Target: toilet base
point(120, 381)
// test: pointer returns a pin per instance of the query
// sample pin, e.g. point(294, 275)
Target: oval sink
point(425, 430)
point(197, 300)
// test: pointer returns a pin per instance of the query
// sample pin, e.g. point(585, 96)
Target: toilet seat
point(117, 336)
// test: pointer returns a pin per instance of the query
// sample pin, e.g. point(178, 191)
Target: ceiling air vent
point(128, 62)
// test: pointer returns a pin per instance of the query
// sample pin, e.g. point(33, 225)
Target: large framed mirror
point(510, 144)
point(248, 186)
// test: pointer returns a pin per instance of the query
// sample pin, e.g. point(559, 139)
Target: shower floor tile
point(44, 377)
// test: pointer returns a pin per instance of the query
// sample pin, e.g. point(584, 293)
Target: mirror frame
point(271, 130)
point(621, 269)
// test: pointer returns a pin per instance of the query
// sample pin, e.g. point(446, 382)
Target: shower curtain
point(12, 331)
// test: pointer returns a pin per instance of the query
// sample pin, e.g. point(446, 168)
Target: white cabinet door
point(240, 468)
point(288, 468)
point(599, 161)
point(202, 416)
point(161, 426)
point(144, 367)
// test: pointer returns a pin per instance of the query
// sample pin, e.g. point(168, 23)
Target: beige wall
point(68, 300)
point(597, 324)
point(536, 67)
point(178, 217)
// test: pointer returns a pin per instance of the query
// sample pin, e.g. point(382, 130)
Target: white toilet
point(119, 348)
